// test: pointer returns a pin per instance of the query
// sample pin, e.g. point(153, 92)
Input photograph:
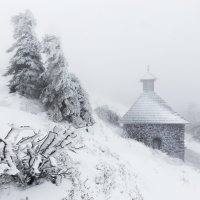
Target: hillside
point(108, 167)
point(194, 130)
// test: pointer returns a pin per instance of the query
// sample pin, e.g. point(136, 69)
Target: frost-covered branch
point(36, 156)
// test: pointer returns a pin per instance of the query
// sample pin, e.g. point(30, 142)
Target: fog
point(109, 43)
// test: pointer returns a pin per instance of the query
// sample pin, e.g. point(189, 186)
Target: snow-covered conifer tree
point(25, 65)
point(63, 95)
point(83, 108)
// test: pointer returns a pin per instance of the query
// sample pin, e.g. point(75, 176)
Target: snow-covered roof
point(149, 108)
point(148, 76)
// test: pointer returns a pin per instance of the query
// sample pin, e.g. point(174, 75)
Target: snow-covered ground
point(108, 167)
point(192, 152)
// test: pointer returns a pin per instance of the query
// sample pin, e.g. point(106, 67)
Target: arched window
point(156, 143)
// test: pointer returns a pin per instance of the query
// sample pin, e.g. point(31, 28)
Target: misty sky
point(109, 43)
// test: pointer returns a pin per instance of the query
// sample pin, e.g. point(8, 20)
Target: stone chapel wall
point(171, 136)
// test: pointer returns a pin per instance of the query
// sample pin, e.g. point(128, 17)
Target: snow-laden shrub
point(80, 189)
point(106, 177)
point(37, 156)
point(108, 115)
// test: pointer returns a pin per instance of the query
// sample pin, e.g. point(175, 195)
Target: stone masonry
point(170, 135)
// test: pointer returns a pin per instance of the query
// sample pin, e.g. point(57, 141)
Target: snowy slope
point(108, 167)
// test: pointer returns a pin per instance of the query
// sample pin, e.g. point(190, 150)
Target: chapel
point(151, 121)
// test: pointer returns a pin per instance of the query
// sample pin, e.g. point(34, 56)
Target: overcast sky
point(109, 43)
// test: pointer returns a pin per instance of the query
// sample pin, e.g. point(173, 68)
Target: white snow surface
point(110, 166)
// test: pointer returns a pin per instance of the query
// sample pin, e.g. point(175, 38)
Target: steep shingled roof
point(149, 108)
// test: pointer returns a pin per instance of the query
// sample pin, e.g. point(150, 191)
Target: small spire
point(148, 81)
